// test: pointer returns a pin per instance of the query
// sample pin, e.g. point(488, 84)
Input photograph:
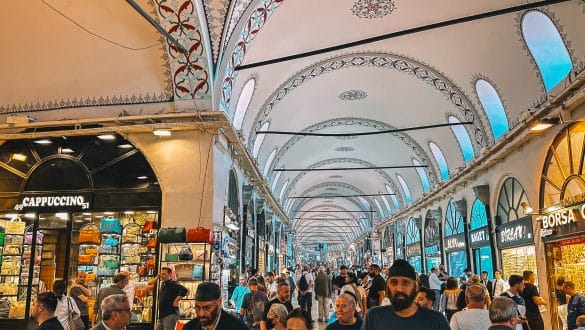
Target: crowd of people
point(366, 299)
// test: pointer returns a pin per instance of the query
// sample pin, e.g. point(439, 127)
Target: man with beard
point(403, 313)
point(339, 281)
point(377, 291)
point(43, 312)
point(210, 316)
point(282, 297)
point(425, 297)
point(116, 313)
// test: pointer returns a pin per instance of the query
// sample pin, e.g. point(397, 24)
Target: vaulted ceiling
point(65, 58)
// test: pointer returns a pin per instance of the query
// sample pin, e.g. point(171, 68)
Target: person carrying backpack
point(305, 287)
point(253, 305)
point(449, 298)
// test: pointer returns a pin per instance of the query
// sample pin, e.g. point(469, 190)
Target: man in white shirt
point(499, 285)
point(306, 295)
point(271, 285)
point(435, 285)
point(475, 316)
point(130, 288)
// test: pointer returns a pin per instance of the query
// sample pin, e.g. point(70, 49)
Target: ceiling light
point(151, 212)
point(43, 141)
point(129, 212)
point(125, 146)
point(86, 213)
point(67, 151)
point(109, 213)
point(62, 215)
point(29, 215)
point(142, 177)
point(19, 157)
point(107, 137)
point(161, 132)
point(544, 124)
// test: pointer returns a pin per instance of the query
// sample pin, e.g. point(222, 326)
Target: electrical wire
point(95, 34)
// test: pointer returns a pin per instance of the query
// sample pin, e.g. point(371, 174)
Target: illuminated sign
point(456, 242)
point(515, 233)
point(478, 238)
point(564, 221)
point(413, 250)
point(53, 202)
point(432, 251)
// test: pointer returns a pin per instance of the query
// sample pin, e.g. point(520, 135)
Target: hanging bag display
point(171, 235)
point(110, 225)
point(149, 225)
point(89, 234)
point(199, 235)
point(185, 254)
point(2, 235)
point(132, 233)
point(183, 271)
point(197, 274)
point(14, 227)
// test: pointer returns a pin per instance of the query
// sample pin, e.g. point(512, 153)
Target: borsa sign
point(563, 217)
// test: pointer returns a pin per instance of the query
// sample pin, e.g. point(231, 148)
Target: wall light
point(107, 137)
point(527, 208)
point(161, 132)
point(125, 146)
point(43, 141)
point(67, 151)
point(19, 157)
point(544, 124)
point(142, 177)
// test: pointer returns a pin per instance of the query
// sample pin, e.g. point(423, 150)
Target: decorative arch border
point(483, 114)
point(383, 61)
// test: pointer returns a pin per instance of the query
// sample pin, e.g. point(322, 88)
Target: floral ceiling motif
point(238, 10)
point(373, 8)
point(216, 12)
point(344, 149)
point(353, 95)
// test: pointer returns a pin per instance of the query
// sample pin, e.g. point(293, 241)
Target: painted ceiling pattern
point(189, 72)
point(216, 12)
point(238, 9)
point(373, 8)
point(353, 95)
point(389, 62)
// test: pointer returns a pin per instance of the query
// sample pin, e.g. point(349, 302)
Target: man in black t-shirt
point(345, 306)
point(532, 299)
point(43, 312)
point(377, 291)
point(171, 293)
point(403, 313)
point(339, 281)
point(282, 297)
point(253, 301)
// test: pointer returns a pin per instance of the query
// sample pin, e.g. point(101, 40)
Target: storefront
point(399, 240)
point(413, 248)
point(387, 245)
point(562, 199)
point(454, 241)
point(432, 242)
point(514, 230)
point(78, 204)
point(479, 240)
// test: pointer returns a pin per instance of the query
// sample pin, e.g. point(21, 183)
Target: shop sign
point(53, 202)
point(413, 250)
point(432, 251)
point(479, 238)
point(564, 221)
point(456, 242)
point(515, 233)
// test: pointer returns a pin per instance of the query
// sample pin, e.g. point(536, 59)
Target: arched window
point(259, 139)
point(399, 240)
point(453, 220)
point(547, 48)
point(478, 215)
point(493, 107)
point(412, 232)
point(379, 208)
point(462, 138)
point(233, 200)
point(424, 179)
point(243, 103)
point(268, 163)
point(441, 161)
point(510, 200)
point(387, 204)
point(393, 197)
point(282, 190)
point(275, 182)
point(407, 195)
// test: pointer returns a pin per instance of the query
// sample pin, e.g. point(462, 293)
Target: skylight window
point(441, 161)
point(407, 195)
point(275, 182)
point(259, 139)
point(463, 139)
point(243, 103)
point(393, 197)
point(424, 179)
point(269, 163)
point(282, 190)
point(379, 208)
point(547, 48)
point(493, 107)
point(387, 204)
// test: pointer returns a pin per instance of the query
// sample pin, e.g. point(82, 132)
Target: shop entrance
point(54, 240)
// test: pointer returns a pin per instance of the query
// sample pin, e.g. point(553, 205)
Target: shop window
point(424, 179)
point(483, 260)
point(268, 163)
point(243, 103)
point(510, 200)
point(441, 161)
point(478, 215)
point(259, 139)
point(493, 107)
point(412, 232)
point(399, 241)
point(405, 189)
point(58, 174)
point(463, 139)
point(546, 47)
point(453, 220)
point(393, 197)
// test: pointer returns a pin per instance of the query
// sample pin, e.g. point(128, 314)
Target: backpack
point(451, 301)
point(303, 284)
point(258, 300)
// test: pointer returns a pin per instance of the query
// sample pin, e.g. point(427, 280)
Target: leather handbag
point(89, 234)
point(151, 243)
point(185, 254)
point(14, 228)
point(84, 259)
point(199, 235)
point(149, 225)
point(92, 251)
point(171, 235)
point(110, 225)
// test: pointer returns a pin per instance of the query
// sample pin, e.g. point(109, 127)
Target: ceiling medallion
point(344, 149)
point(373, 8)
point(353, 95)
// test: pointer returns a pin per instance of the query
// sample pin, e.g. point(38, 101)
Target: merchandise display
point(517, 260)
point(569, 261)
point(190, 263)
point(15, 255)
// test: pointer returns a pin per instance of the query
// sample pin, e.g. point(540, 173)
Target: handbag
point(14, 228)
point(199, 235)
point(185, 254)
point(29, 235)
point(91, 250)
point(183, 271)
point(2, 235)
point(73, 319)
point(84, 259)
point(171, 256)
point(89, 233)
point(12, 249)
point(171, 235)
point(151, 244)
point(197, 272)
point(149, 225)
point(111, 263)
point(111, 241)
point(110, 225)
point(17, 310)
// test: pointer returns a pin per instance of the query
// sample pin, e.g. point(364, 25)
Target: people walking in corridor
point(116, 313)
point(210, 315)
point(377, 291)
point(282, 298)
point(503, 314)
point(253, 305)
point(475, 317)
point(449, 298)
point(575, 306)
point(345, 312)
point(305, 286)
point(516, 283)
point(239, 292)
point(323, 292)
point(435, 285)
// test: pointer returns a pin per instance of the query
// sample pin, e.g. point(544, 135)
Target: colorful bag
point(199, 235)
point(150, 263)
point(111, 241)
point(89, 233)
point(149, 225)
point(14, 228)
point(171, 235)
point(151, 244)
point(184, 271)
point(84, 259)
point(132, 229)
point(110, 225)
point(91, 250)
point(2, 234)
point(171, 256)
point(112, 263)
point(185, 254)
point(197, 272)
point(12, 250)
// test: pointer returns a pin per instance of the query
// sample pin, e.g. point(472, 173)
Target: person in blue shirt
point(239, 292)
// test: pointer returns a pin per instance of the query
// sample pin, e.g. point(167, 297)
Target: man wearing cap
point(210, 315)
point(377, 291)
point(403, 313)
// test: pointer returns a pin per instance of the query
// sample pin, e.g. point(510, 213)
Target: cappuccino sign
point(53, 202)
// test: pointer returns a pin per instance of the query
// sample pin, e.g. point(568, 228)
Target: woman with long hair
point(65, 305)
point(448, 303)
